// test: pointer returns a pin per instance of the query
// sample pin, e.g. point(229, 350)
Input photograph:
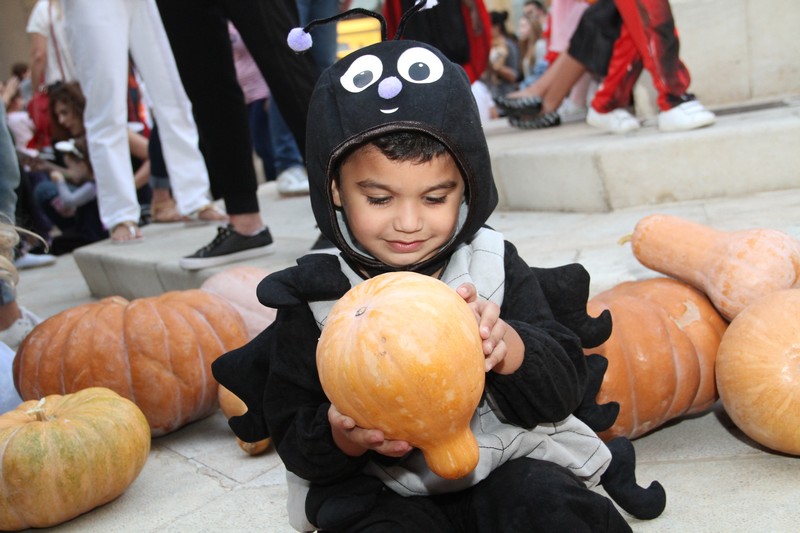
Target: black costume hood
point(392, 86)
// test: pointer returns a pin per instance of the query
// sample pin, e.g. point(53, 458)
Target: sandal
point(208, 214)
point(527, 105)
point(126, 233)
point(165, 212)
point(545, 120)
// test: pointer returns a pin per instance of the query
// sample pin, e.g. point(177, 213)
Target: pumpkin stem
point(625, 239)
point(38, 411)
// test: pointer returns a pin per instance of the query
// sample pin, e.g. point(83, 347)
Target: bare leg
point(247, 223)
point(9, 313)
point(569, 72)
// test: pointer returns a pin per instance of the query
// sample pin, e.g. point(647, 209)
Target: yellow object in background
point(356, 33)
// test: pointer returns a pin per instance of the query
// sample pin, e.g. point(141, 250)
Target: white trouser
point(100, 34)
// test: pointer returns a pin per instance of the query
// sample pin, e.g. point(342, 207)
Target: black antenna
point(413, 10)
point(348, 14)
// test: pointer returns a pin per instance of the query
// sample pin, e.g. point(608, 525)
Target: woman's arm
point(75, 198)
point(38, 52)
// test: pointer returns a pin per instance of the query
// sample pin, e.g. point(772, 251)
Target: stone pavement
point(197, 479)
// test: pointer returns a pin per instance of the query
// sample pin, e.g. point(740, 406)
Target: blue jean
point(9, 171)
point(284, 147)
point(85, 223)
point(258, 118)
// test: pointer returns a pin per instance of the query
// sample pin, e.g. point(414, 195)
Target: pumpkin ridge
point(116, 322)
point(4, 495)
point(199, 352)
point(62, 339)
point(671, 411)
point(148, 309)
point(223, 344)
point(90, 316)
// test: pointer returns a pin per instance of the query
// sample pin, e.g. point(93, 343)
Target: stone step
point(572, 169)
point(577, 168)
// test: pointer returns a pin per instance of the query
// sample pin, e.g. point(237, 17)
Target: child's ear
point(337, 198)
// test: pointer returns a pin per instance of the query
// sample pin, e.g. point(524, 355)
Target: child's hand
point(498, 337)
point(354, 440)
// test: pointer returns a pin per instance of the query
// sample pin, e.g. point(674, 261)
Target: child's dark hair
point(402, 146)
point(72, 96)
point(409, 146)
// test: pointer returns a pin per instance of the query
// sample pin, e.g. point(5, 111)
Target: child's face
point(68, 118)
point(400, 212)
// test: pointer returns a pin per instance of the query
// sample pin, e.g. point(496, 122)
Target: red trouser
point(648, 39)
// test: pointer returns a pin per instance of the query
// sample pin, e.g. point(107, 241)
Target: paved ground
point(717, 480)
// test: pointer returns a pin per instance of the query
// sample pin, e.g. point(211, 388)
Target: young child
point(69, 198)
point(401, 179)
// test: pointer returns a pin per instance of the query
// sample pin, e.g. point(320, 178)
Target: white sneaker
point(616, 121)
point(687, 116)
point(28, 260)
point(293, 181)
point(16, 332)
point(571, 112)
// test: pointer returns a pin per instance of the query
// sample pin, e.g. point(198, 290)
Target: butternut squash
point(733, 268)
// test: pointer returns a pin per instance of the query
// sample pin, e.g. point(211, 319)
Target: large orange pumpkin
point(62, 456)
point(661, 353)
point(401, 352)
point(155, 351)
point(758, 371)
point(238, 286)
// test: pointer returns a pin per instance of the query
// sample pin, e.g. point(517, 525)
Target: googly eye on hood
point(387, 87)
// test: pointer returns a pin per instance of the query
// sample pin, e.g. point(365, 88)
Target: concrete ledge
point(572, 168)
point(578, 168)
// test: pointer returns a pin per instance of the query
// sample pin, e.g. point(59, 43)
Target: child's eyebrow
point(371, 184)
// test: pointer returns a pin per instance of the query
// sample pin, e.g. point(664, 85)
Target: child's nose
point(408, 219)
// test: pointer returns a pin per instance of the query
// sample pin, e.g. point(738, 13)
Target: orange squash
point(401, 352)
point(237, 285)
point(758, 371)
point(155, 351)
point(232, 405)
point(62, 456)
point(661, 353)
point(733, 268)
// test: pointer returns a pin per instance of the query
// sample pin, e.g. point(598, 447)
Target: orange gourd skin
point(401, 352)
point(238, 286)
point(758, 371)
point(661, 353)
point(157, 352)
point(732, 268)
point(232, 405)
point(65, 455)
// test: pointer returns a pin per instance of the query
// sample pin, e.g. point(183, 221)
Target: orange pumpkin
point(733, 268)
point(155, 351)
point(758, 371)
point(401, 352)
point(62, 456)
point(661, 353)
point(238, 286)
point(232, 405)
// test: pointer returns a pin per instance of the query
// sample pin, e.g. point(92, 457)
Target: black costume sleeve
point(295, 406)
point(550, 384)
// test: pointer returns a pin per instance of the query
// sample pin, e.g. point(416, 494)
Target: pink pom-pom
point(299, 40)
